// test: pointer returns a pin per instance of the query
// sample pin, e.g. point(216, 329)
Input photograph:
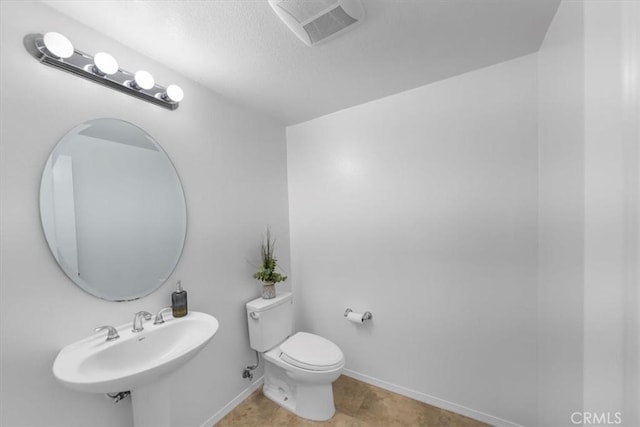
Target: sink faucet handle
point(137, 320)
point(159, 319)
point(111, 335)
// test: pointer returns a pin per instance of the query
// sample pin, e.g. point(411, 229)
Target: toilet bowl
point(299, 368)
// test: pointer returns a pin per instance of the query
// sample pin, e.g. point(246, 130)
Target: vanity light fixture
point(58, 45)
point(104, 64)
point(174, 93)
point(55, 50)
point(142, 80)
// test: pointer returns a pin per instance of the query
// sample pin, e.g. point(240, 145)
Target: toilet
point(298, 368)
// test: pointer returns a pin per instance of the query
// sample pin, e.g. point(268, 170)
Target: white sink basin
point(136, 358)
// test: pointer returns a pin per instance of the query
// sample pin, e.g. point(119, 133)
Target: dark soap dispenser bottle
point(179, 301)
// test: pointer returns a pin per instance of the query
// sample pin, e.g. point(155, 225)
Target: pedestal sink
point(137, 361)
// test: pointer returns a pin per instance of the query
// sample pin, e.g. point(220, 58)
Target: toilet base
point(311, 401)
point(280, 395)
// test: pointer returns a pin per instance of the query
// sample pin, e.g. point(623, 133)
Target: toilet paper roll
point(355, 317)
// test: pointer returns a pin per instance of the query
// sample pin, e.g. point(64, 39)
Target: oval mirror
point(113, 210)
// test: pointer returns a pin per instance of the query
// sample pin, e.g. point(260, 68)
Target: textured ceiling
point(241, 50)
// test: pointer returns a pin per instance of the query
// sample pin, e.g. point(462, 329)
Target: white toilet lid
point(312, 352)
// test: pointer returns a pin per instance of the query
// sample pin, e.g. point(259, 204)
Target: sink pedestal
point(151, 404)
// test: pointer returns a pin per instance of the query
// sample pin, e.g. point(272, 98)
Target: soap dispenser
point(179, 301)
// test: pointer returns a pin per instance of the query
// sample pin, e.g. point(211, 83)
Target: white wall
point(589, 127)
point(422, 208)
point(219, 150)
point(612, 114)
point(561, 216)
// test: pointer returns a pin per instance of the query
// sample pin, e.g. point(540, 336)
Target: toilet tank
point(270, 321)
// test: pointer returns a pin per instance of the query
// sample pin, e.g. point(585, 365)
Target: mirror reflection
point(113, 209)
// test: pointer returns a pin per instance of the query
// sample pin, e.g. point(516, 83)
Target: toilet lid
point(312, 352)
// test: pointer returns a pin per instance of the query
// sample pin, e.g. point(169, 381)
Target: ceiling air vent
point(314, 21)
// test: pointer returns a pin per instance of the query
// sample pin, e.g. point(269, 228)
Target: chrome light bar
point(55, 50)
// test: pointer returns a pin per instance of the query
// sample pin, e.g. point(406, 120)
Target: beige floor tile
point(284, 418)
point(383, 408)
point(340, 419)
point(348, 394)
point(253, 411)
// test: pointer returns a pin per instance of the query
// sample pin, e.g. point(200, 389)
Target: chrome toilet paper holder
point(365, 316)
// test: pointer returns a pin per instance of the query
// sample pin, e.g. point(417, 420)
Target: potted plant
point(267, 273)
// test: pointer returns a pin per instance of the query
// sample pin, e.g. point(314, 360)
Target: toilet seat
point(312, 352)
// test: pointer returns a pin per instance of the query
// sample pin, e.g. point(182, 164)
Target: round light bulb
point(174, 93)
point(143, 80)
point(58, 45)
point(105, 63)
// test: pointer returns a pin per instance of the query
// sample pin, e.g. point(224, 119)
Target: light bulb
point(58, 45)
point(105, 64)
point(174, 93)
point(143, 80)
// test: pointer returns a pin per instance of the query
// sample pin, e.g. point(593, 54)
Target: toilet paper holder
point(365, 316)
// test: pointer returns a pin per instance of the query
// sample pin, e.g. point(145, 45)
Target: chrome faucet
point(111, 335)
point(137, 320)
point(159, 319)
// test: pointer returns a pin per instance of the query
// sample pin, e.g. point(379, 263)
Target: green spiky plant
point(267, 271)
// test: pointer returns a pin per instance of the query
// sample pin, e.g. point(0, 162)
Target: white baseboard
point(215, 418)
point(431, 400)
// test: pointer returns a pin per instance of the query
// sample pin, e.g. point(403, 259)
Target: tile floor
point(357, 404)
